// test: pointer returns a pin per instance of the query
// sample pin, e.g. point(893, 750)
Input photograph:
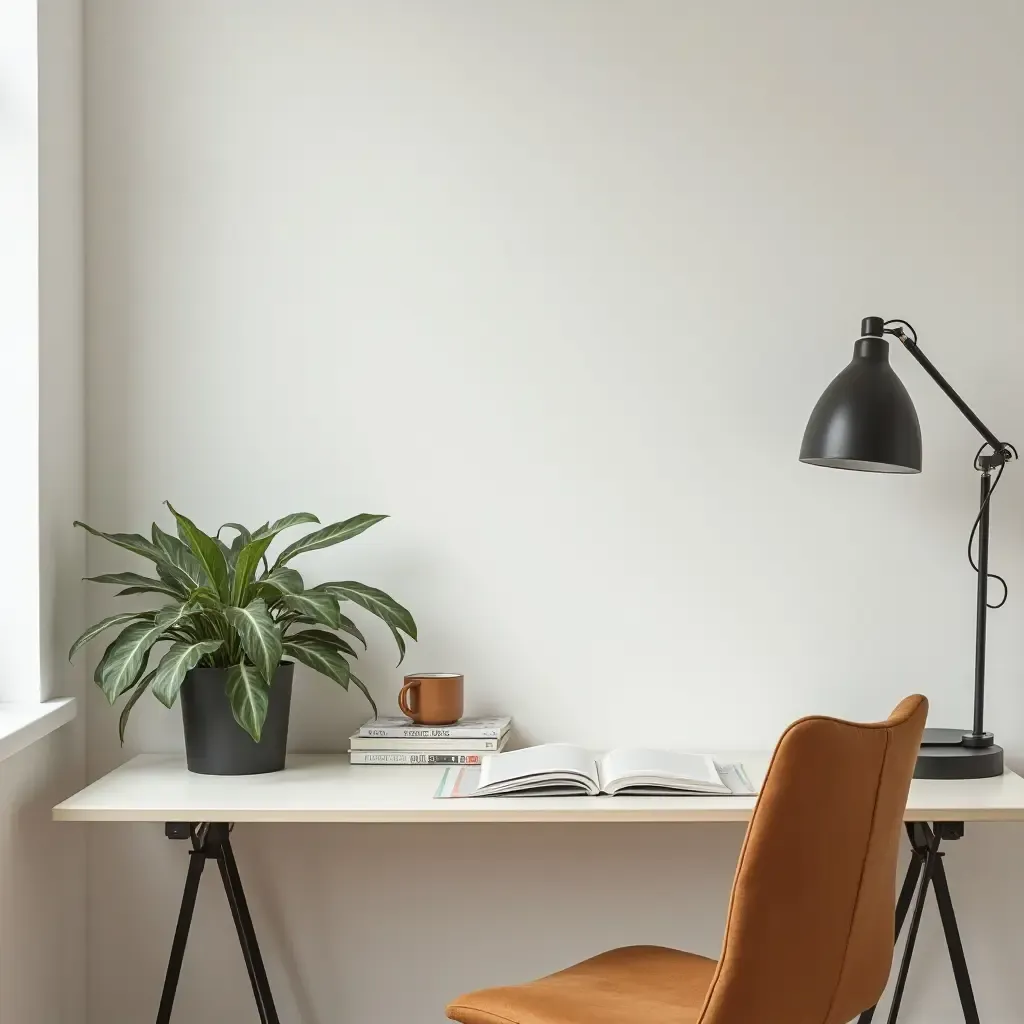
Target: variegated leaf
point(281, 581)
point(119, 667)
point(329, 535)
point(247, 561)
point(206, 550)
point(179, 556)
point(348, 626)
point(322, 636)
point(180, 658)
point(286, 523)
point(321, 658)
point(242, 535)
point(249, 694)
point(317, 605)
point(110, 621)
point(139, 584)
point(133, 542)
point(259, 633)
point(386, 608)
point(366, 693)
point(137, 692)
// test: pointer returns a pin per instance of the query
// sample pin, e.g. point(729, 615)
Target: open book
point(558, 769)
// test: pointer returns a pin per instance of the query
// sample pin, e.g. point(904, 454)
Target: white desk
point(326, 788)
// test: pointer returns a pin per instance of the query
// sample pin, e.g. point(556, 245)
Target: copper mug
point(432, 698)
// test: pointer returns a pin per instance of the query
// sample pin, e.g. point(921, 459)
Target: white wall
point(61, 441)
point(19, 347)
point(42, 886)
point(42, 865)
point(556, 285)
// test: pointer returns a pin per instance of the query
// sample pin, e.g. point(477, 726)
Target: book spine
point(461, 745)
point(402, 757)
point(436, 732)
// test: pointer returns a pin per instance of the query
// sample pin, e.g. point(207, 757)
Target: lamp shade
point(865, 420)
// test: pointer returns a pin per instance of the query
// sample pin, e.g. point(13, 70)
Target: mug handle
point(404, 699)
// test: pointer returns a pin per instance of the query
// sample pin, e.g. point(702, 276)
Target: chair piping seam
point(739, 867)
point(496, 1016)
point(863, 871)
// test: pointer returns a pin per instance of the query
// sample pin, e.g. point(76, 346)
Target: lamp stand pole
point(957, 753)
point(978, 738)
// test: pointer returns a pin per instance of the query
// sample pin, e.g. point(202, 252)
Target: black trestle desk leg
point(212, 842)
point(915, 924)
point(927, 865)
point(246, 933)
point(910, 883)
point(196, 863)
point(953, 944)
point(914, 869)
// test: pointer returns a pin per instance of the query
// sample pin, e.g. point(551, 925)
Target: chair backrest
point(809, 938)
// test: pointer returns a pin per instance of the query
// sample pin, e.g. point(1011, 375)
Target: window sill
point(21, 725)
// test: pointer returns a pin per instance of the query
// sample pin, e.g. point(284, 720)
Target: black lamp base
point(944, 754)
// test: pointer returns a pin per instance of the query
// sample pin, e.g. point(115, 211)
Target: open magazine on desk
point(560, 769)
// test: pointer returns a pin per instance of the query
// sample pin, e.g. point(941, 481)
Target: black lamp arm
point(1001, 454)
point(895, 328)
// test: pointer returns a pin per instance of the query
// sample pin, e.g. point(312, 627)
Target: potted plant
point(236, 624)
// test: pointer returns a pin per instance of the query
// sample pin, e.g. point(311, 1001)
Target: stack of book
point(399, 741)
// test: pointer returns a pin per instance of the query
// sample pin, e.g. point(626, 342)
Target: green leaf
point(169, 591)
point(259, 633)
point(171, 614)
point(316, 605)
point(320, 657)
point(373, 600)
point(139, 584)
point(348, 626)
point(179, 659)
point(386, 608)
point(248, 693)
point(248, 559)
point(111, 620)
point(179, 556)
point(124, 579)
point(284, 580)
point(322, 636)
point(280, 581)
point(123, 659)
point(175, 579)
point(140, 689)
point(329, 535)
point(286, 523)
point(366, 693)
point(133, 542)
point(243, 536)
point(206, 597)
point(206, 550)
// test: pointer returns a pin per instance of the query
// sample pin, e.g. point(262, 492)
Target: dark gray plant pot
point(215, 744)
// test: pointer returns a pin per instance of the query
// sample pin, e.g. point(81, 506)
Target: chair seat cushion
point(648, 984)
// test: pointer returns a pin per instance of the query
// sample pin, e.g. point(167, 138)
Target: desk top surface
point(326, 788)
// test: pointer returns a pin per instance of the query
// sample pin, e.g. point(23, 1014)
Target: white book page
point(624, 765)
point(551, 760)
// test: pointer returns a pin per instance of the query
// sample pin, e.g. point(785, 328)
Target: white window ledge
point(24, 724)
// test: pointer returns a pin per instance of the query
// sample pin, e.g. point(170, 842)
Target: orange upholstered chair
point(809, 938)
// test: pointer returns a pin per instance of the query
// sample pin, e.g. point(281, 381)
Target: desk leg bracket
point(927, 871)
point(212, 841)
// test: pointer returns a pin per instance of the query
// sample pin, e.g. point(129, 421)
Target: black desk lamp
point(865, 420)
